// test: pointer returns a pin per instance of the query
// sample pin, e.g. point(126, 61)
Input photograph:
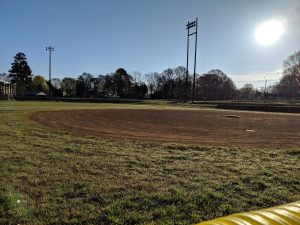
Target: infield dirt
point(209, 127)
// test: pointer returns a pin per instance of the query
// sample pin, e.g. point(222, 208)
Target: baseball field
point(82, 163)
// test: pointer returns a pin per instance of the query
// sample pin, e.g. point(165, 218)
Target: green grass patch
point(51, 177)
point(13, 205)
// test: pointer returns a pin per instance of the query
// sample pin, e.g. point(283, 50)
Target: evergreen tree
point(20, 72)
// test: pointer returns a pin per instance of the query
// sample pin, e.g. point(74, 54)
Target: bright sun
point(269, 32)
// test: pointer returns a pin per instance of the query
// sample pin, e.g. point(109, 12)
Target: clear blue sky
point(146, 35)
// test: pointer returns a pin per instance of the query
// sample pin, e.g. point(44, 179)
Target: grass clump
point(13, 205)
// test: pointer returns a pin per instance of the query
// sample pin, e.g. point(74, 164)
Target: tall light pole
point(266, 84)
point(188, 27)
point(50, 49)
point(265, 91)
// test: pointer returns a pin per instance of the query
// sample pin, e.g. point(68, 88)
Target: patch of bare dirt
point(210, 127)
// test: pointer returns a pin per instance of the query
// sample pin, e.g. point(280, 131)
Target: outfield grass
point(52, 177)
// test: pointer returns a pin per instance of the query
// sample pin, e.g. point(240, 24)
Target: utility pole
point(187, 61)
point(265, 92)
point(195, 60)
point(50, 49)
point(266, 85)
point(188, 27)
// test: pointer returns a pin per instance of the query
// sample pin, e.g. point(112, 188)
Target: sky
point(99, 36)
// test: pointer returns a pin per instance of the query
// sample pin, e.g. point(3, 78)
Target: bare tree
point(137, 76)
point(291, 67)
point(4, 77)
point(180, 85)
point(56, 87)
point(56, 83)
point(246, 92)
point(289, 84)
point(151, 82)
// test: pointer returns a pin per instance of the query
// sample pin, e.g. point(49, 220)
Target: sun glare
point(269, 32)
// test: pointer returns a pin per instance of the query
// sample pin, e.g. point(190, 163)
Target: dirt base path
point(210, 127)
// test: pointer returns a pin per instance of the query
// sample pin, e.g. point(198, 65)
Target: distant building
point(7, 89)
point(34, 93)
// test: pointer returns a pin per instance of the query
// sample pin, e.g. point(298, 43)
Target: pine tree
point(20, 73)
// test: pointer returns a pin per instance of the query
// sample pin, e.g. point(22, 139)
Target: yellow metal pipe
point(288, 214)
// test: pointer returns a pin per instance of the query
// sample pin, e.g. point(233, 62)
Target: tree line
point(287, 88)
point(172, 83)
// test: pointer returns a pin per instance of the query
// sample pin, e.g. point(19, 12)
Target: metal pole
point(266, 85)
point(187, 66)
point(195, 60)
point(50, 64)
point(50, 49)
